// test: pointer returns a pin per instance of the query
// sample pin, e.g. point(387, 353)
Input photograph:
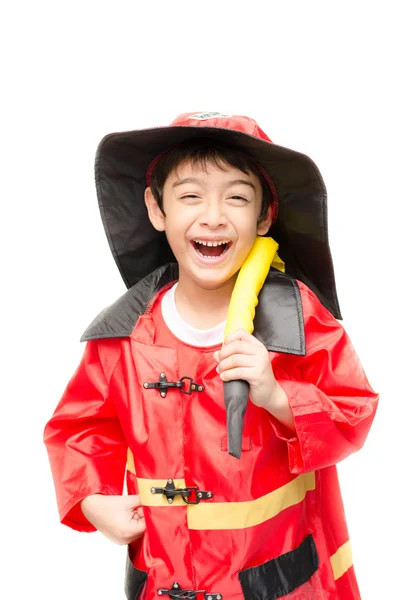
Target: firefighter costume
point(144, 405)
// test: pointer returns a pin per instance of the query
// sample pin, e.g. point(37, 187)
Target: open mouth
point(211, 250)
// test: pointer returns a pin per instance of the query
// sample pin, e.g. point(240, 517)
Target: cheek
point(176, 231)
point(180, 220)
point(246, 225)
point(177, 228)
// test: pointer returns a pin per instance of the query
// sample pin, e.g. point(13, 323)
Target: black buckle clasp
point(177, 593)
point(193, 387)
point(170, 491)
point(163, 385)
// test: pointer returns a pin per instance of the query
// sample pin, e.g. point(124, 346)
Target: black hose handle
point(236, 400)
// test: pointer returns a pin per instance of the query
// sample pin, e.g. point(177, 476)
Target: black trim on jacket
point(134, 581)
point(278, 322)
point(282, 575)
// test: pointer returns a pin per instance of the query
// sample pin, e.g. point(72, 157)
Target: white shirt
point(183, 331)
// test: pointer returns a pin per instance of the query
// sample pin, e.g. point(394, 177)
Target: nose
point(213, 214)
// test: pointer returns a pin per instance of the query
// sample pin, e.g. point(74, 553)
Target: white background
point(318, 77)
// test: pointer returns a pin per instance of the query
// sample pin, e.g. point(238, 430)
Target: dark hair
point(202, 152)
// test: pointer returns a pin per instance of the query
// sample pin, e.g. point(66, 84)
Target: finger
point(239, 334)
point(135, 531)
point(244, 373)
point(140, 528)
point(136, 524)
point(139, 511)
point(237, 347)
point(235, 361)
point(216, 355)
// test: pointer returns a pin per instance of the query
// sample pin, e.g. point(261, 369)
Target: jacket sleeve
point(85, 442)
point(331, 400)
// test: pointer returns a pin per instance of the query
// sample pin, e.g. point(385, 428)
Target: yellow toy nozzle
point(249, 283)
point(241, 314)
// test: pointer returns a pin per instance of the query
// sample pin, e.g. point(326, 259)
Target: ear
point(154, 212)
point(264, 223)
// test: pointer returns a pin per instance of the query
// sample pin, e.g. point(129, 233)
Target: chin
point(215, 283)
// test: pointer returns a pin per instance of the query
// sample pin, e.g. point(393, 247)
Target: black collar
point(278, 320)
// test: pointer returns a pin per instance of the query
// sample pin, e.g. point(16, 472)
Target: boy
point(200, 523)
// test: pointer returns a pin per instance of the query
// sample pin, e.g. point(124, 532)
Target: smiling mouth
point(211, 249)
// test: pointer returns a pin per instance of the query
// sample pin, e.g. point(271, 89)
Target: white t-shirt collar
point(183, 331)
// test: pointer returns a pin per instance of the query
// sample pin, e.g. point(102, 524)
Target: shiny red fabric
point(234, 122)
point(105, 410)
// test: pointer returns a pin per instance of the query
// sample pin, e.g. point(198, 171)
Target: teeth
point(207, 257)
point(208, 243)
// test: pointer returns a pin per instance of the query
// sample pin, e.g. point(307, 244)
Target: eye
point(190, 199)
point(236, 199)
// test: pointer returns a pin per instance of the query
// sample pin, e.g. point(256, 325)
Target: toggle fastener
point(177, 593)
point(170, 491)
point(163, 385)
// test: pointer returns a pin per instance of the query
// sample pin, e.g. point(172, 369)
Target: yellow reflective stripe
point(342, 560)
point(130, 462)
point(145, 485)
point(149, 499)
point(239, 515)
point(227, 515)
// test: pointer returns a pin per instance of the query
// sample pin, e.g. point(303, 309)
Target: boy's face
point(211, 221)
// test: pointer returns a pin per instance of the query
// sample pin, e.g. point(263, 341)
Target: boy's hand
point(119, 518)
point(245, 357)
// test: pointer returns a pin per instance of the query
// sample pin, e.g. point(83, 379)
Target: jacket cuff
point(291, 438)
point(72, 515)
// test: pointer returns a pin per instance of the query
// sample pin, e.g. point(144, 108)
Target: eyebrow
point(241, 181)
point(200, 181)
point(187, 180)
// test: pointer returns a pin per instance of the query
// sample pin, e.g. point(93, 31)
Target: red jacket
point(270, 525)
